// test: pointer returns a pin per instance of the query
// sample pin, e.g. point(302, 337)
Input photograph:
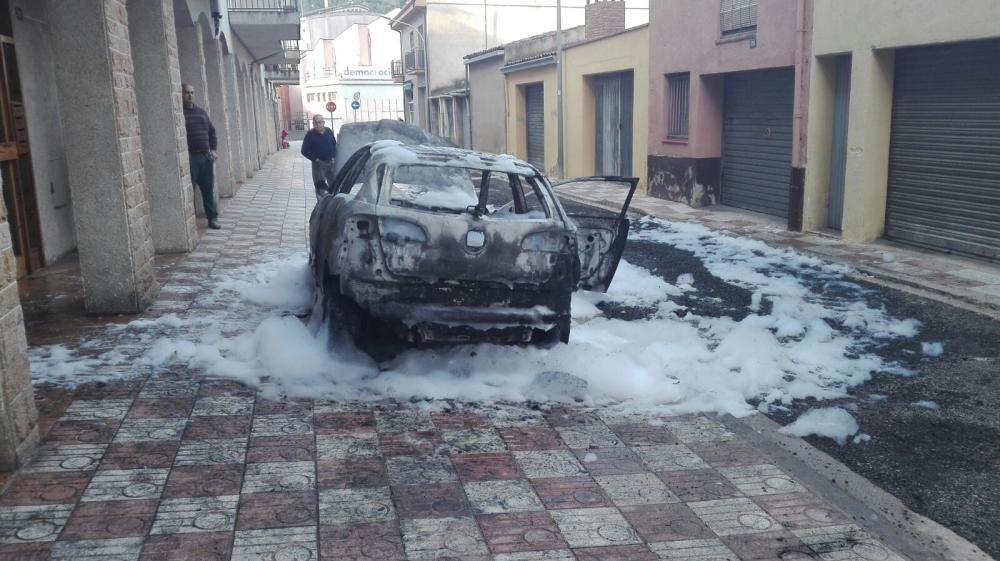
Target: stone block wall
point(130, 147)
point(158, 83)
point(174, 70)
point(18, 416)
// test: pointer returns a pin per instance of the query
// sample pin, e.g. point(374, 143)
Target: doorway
point(757, 140)
point(15, 157)
point(613, 126)
point(534, 109)
point(838, 148)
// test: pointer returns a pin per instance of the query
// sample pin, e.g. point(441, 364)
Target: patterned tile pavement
point(174, 466)
point(958, 278)
point(361, 496)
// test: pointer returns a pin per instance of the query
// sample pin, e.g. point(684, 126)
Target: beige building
point(904, 127)
point(605, 73)
point(435, 34)
point(606, 95)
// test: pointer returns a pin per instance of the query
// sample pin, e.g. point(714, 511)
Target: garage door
point(757, 140)
point(534, 103)
point(944, 159)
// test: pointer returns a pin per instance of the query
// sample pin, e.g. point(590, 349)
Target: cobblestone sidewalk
point(973, 282)
point(172, 466)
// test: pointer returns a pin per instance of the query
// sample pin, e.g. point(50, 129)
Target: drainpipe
point(801, 68)
point(559, 89)
point(468, 105)
point(796, 188)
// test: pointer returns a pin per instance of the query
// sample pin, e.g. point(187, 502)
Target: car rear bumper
point(461, 312)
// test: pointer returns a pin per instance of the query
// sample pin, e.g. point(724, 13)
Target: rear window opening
point(488, 194)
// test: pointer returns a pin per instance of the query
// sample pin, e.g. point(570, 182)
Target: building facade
point(432, 32)
point(605, 97)
point(728, 103)
point(348, 57)
point(904, 132)
point(94, 154)
point(605, 71)
point(530, 73)
point(488, 106)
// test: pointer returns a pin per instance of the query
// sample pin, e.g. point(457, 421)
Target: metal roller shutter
point(534, 103)
point(944, 158)
point(757, 140)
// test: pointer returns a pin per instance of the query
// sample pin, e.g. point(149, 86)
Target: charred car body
point(430, 243)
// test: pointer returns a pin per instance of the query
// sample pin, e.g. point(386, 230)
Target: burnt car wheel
point(558, 334)
point(342, 313)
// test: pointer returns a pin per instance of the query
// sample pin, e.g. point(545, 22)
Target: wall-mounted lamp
point(217, 18)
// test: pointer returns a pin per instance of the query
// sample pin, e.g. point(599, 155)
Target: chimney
point(604, 17)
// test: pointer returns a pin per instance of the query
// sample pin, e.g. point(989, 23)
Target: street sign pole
point(331, 106)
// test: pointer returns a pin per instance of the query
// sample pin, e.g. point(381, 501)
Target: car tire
point(564, 326)
point(558, 334)
point(343, 314)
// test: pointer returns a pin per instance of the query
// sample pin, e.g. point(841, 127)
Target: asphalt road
point(943, 463)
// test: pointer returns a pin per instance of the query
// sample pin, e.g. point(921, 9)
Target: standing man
point(202, 144)
point(320, 147)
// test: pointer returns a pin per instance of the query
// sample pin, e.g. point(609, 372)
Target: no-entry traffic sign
point(331, 106)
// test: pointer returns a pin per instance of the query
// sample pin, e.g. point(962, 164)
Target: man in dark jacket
point(202, 144)
point(320, 147)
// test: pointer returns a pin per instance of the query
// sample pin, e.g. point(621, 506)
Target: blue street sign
point(355, 105)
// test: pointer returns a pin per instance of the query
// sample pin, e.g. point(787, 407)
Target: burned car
point(429, 243)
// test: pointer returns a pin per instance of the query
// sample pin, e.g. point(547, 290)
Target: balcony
point(264, 25)
point(282, 74)
point(291, 52)
point(397, 71)
point(414, 61)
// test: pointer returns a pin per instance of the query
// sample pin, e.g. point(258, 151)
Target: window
point(507, 196)
point(434, 188)
point(332, 96)
point(737, 16)
point(678, 86)
point(309, 97)
point(359, 177)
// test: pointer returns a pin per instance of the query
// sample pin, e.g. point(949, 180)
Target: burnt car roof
point(397, 154)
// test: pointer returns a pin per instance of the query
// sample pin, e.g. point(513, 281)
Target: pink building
point(728, 93)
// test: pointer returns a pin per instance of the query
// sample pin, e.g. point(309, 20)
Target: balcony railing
point(414, 60)
point(286, 73)
point(325, 74)
point(263, 5)
point(397, 71)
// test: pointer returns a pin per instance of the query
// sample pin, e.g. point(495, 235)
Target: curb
point(909, 533)
point(859, 272)
point(876, 276)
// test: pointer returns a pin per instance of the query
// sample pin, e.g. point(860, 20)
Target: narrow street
point(218, 426)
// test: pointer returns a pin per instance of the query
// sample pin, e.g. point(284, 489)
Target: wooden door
point(15, 157)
